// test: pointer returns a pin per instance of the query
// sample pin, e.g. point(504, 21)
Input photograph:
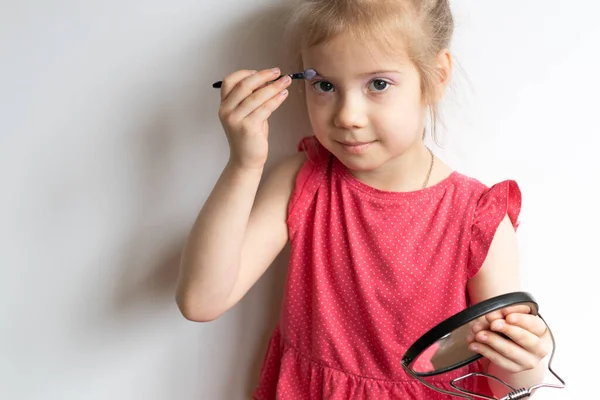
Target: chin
point(357, 164)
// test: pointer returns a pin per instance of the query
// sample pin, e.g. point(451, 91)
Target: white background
point(110, 143)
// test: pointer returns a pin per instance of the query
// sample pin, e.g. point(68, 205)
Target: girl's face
point(365, 105)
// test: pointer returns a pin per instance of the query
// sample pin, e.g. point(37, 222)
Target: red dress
point(371, 271)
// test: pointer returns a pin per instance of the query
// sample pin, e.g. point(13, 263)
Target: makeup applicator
point(308, 74)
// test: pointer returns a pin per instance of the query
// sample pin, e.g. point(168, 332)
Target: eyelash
point(315, 85)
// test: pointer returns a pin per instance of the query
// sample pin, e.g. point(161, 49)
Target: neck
point(404, 173)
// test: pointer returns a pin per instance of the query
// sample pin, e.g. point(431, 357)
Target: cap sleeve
point(316, 156)
point(309, 177)
point(502, 199)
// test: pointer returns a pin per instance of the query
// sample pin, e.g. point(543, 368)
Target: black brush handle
point(299, 75)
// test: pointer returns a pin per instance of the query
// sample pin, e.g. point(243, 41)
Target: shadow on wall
point(149, 257)
point(255, 43)
point(175, 138)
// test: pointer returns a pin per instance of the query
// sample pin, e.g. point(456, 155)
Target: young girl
point(386, 240)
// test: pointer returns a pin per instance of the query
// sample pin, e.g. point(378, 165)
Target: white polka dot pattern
point(371, 271)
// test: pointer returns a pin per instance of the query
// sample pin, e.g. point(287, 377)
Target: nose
point(351, 113)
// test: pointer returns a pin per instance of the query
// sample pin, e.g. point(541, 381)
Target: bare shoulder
point(289, 166)
point(282, 177)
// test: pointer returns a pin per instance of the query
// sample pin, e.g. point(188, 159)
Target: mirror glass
point(452, 350)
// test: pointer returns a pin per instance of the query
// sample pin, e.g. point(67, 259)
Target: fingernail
point(275, 71)
point(474, 347)
point(499, 325)
point(253, 72)
point(286, 79)
point(284, 93)
point(483, 337)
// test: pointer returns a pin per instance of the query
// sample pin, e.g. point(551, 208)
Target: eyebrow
point(380, 72)
point(366, 73)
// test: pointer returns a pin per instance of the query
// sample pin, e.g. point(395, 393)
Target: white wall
point(109, 144)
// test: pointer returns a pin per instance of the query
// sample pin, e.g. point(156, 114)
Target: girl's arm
point(237, 235)
point(234, 239)
point(521, 363)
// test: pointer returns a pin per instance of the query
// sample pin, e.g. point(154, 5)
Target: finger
point(494, 315)
point(470, 338)
point(503, 312)
point(260, 97)
point(232, 80)
point(519, 308)
point(264, 111)
point(508, 349)
point(247, 86)
point(531, 323)
point(495, 357)
point(479, 324)
point(523, 337)
point(476, 326)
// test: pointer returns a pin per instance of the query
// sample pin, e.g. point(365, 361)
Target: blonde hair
point(424, 26)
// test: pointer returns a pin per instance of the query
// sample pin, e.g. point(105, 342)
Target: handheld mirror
point(445, 348)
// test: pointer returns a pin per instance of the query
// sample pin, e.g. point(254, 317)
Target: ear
point(444, 72)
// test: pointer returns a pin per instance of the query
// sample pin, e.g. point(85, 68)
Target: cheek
point(399, 122)
point(396, 112)
point(317, 110)
point(318, 100)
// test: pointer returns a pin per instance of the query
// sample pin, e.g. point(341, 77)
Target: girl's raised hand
point(247, 101)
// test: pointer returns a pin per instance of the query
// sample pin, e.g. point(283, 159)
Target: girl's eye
point(378, 85)
point(323, 86)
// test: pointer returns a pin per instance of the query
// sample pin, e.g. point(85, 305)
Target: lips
point(354, 143)
point(355, 147)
